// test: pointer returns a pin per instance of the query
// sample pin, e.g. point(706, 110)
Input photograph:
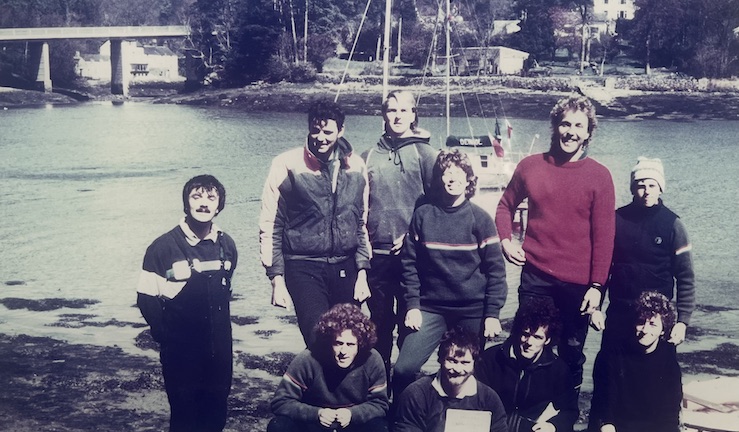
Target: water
point(86, 188)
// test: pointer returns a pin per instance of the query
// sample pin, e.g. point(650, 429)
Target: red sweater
point(571, 219)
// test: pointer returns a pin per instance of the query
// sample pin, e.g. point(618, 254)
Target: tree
point(212, 24)
point(657, 27)
point(584, 9)
point(713, 49)
point(256, 37)
point(537, 32)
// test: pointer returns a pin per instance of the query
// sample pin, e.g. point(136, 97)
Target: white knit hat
point(647, 168)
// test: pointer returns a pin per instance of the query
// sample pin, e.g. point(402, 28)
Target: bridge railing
point(50, 33)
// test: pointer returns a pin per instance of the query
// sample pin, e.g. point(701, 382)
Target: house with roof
point(494, 60)
point(615, 9)
point(145, 63)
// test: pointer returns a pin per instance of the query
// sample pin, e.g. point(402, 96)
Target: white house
point(496, 60)
point(615, 9)
point(145, 63)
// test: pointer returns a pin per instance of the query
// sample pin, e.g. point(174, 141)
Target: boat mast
point(448, 64)
point(386, 48)
point(305, 34)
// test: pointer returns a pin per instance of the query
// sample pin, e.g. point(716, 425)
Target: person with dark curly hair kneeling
point(339, 384)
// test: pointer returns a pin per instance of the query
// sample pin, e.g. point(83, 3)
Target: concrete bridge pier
point(118, 72)
point(40, 58)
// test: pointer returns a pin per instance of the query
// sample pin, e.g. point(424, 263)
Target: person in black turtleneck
point(399, 170)
point(638, 383)
point(534, 384)
point(453, 269)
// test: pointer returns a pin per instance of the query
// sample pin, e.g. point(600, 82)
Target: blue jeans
point(419, 345)
point(315, 287)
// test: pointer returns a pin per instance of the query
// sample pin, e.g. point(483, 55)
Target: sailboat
point(493, 160)
point(493, 163)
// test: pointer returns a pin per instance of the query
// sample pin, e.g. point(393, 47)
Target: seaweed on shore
point(275, 363)
point(45, 305)
point(718, 361)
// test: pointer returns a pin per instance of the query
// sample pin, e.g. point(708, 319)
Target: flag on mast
point(497, 140)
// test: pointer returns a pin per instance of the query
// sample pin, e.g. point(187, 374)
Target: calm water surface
point(86, 189)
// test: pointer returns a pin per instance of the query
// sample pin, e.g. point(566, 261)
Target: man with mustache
point(183, 293)
point(435, 403)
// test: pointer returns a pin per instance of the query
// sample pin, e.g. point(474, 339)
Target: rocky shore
point(473, 99)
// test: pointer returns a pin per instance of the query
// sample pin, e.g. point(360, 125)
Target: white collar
point(469, 388)
point(193, 239)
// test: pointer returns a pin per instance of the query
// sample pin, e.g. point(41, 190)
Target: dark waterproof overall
point(196, 349)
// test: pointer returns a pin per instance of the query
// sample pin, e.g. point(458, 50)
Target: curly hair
point(650, 304)
point(534, 313)
point(208, 183)
point(341, 317)
point(324, 110)
point(448, 159)
point(456, 341)
point(402, 96)
point(573, 103)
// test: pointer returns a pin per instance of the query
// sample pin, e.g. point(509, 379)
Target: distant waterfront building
point(146, 63)
point(496, 60)
point(615, 9)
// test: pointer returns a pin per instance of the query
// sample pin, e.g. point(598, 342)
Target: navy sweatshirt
point(452, 262)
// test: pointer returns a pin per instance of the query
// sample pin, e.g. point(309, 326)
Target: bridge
point(39, 47)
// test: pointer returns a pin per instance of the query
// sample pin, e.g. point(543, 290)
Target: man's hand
point(677, 335)
point(492, 327)
point(280, 295)
point(343, 416)
point(591, 301)
point(597, 320)
point(397, 245)
point(361, 288)
point(513, 252)
point(413, 319)
point(326, 416)
point(543, 427)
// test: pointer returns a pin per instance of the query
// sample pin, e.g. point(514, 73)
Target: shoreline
point(52, 384)
point(365, 99)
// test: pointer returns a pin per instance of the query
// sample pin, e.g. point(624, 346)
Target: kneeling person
point(534, 384)
point(437, 403)
point(340, 383)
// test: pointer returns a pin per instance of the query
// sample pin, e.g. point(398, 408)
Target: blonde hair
point(402, 96)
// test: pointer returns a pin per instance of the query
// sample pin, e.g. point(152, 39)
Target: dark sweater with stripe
point(311, 384)
point(452, 262)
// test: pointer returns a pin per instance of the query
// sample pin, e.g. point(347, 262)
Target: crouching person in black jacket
point(533, 383)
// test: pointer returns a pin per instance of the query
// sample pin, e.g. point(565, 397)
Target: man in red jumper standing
point(567, 251)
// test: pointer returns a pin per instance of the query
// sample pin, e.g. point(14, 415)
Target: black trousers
point(197, 377)
point(387, 304)
point(316, 286)
point(567, 297)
